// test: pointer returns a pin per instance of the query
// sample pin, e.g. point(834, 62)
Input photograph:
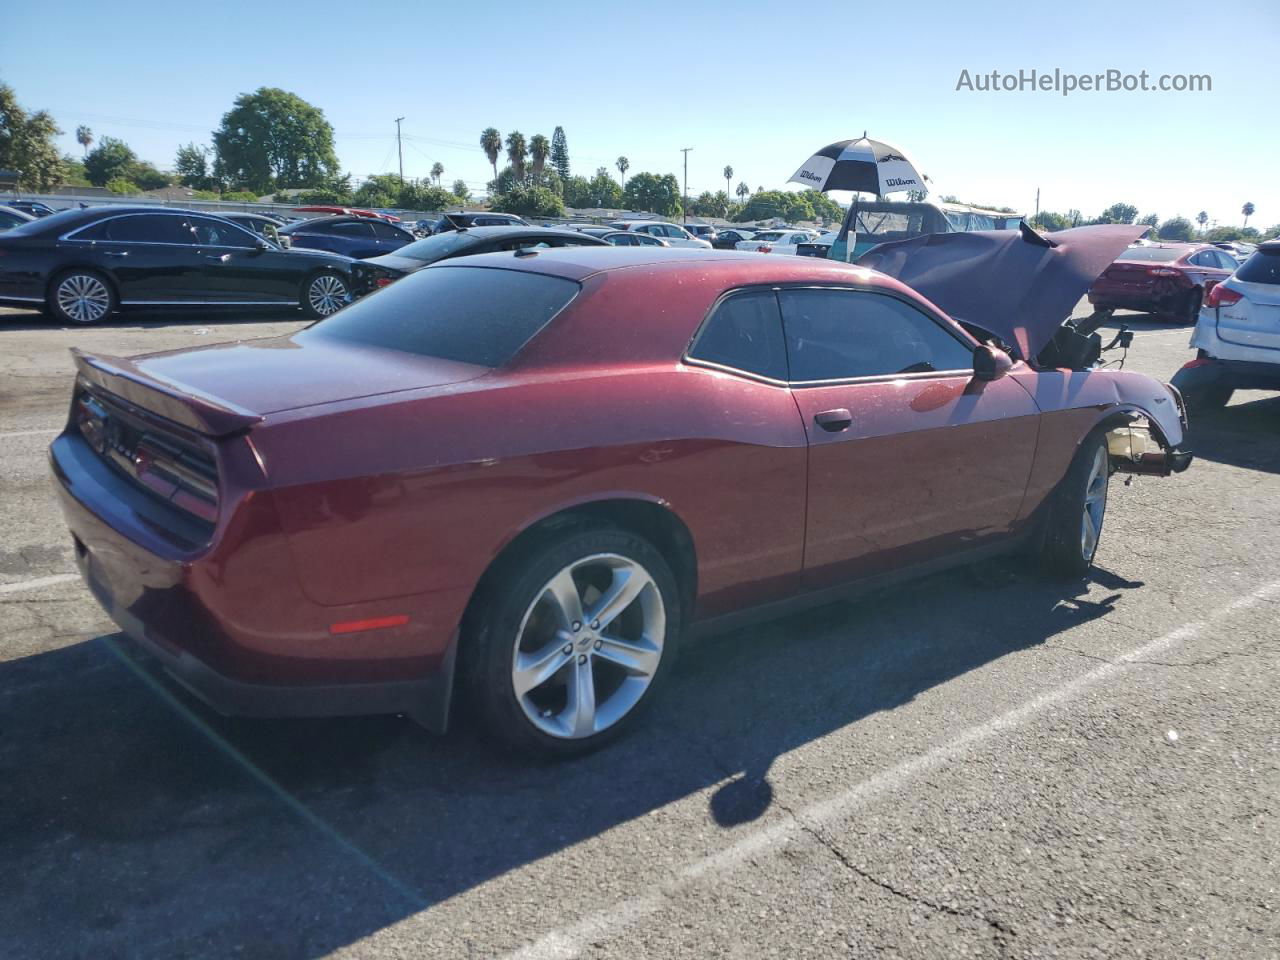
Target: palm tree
point(623, 165)
point(1202, 218)
point(1247, 210)
point(516, 152)
point(84, 137)
point(539, 150)
point(491, 143)
point(437, 171)
point(743, 190)
point(728, 175)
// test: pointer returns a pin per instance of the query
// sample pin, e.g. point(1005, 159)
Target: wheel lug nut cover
point(576, 626)
point(582, 658)
point(595, 625)
point(599, 644)
point(568, 649)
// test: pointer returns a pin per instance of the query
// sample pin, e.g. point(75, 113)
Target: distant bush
point(122, 186)
point(530, 202)
point(240, 196)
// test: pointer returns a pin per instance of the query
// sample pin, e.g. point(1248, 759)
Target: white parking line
point(37, 583)
point(29, 433)
point(569, 941)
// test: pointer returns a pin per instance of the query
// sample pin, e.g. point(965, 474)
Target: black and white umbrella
point(866, 166)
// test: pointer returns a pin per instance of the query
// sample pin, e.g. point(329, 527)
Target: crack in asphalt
point(1001, 932)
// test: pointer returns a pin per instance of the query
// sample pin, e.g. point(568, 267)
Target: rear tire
point(552, 668)
point(1078, 507)
point(81, 297)
point(324, 294)
point(1208, 398)
point(1189, 310)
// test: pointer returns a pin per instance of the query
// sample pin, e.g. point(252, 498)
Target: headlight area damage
point(1016, 289)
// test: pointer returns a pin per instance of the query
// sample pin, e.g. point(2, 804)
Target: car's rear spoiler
point(173, 401)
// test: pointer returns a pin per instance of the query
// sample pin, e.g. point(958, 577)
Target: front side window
point(213, 233)
point(842, 334)
point(351, 228)
point(744, 332)
point(471, 315)
point(386, 231)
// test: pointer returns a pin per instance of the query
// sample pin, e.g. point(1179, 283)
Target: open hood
point(1018, 284)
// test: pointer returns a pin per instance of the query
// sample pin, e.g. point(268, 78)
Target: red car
point(524, 476)
point(1170, 280)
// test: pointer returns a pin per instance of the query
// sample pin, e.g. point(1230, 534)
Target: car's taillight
point(764, 248)
point(1221, 296)
point(383, 282)
point(1162, 271)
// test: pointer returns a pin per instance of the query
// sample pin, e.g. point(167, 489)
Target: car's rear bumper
point(267, 652)
point(1236, 374)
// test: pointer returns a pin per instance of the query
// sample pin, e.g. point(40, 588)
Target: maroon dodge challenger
point(523, 477)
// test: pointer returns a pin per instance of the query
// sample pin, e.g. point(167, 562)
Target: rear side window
point(350, 228)
point(161, 228)
point(843, 334)
point(745, 332)
point(1262, 267)
point(467, 314)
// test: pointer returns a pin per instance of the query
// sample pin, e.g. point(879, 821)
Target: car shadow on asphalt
point(1243, 435)
point(134, 821)
point(33, 320)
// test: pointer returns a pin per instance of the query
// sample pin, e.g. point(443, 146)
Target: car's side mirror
point(990, 363)
point(262, 246)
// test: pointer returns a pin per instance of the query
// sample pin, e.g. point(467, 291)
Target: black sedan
point(82, 265)
point(465, 242)
point(729, 239)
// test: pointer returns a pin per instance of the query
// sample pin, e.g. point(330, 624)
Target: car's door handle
point(223, 258)
point(115, 253)
point(833, 421)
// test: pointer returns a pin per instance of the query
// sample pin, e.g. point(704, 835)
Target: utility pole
point(1036, 218)
point(684, 207)
point(400, 148)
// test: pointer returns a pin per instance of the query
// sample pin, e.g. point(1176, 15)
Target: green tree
point(148, 177)
point(336, 191)
point(1118, 213)
point(1048, 220)
point(728, 178)
point(491, 144)
point(123, 186)
point(767, 204)
point(26, 143)
point(743, 191)
point(623, 165)
point(437, 171)
point(560, 153)
point(824, 207)
point(530, 202)
point(192, 167)
point(517, 152)
point(603, 191)
point(73, 172)
point(1151, 220)
point(240, 196)
point(657, 194)
point(1073, 215)
point(460, 189)
point(84, 137)
point(1176, 228)
point(111, 159)
point(1247, 210)
point(420, 196)
point(539, 152)
point(577, 192)
point(273, 138)
point(1202, 218)
point(379, 190)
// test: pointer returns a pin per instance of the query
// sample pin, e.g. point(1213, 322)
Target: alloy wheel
point(327, 294)
point(1095, 504)
point(84, 298)
point(588, 646)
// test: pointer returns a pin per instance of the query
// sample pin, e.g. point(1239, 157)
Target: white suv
point(1237, 334)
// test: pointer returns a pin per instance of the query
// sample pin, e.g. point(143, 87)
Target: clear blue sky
point(755, 85)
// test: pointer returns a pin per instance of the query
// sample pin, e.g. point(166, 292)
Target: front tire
point(571, 640)
point(324, 294)
point(81, 297)
point(1076, 513)
point(1188, 311)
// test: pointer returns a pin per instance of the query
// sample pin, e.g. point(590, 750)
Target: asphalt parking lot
point(980, 764)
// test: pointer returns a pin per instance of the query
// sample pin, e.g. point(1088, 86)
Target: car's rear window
point(437, 247)
point(1263, 266)
point(1159, 254)
point(478, 315)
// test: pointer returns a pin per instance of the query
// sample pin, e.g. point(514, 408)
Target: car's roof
point(335, 218)
point(579, 263)
point(521, 230)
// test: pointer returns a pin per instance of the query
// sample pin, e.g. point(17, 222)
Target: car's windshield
point(1159, 254)
point(768, 235)
point(1262, 267)
point(472, 315)
point(438, 247)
